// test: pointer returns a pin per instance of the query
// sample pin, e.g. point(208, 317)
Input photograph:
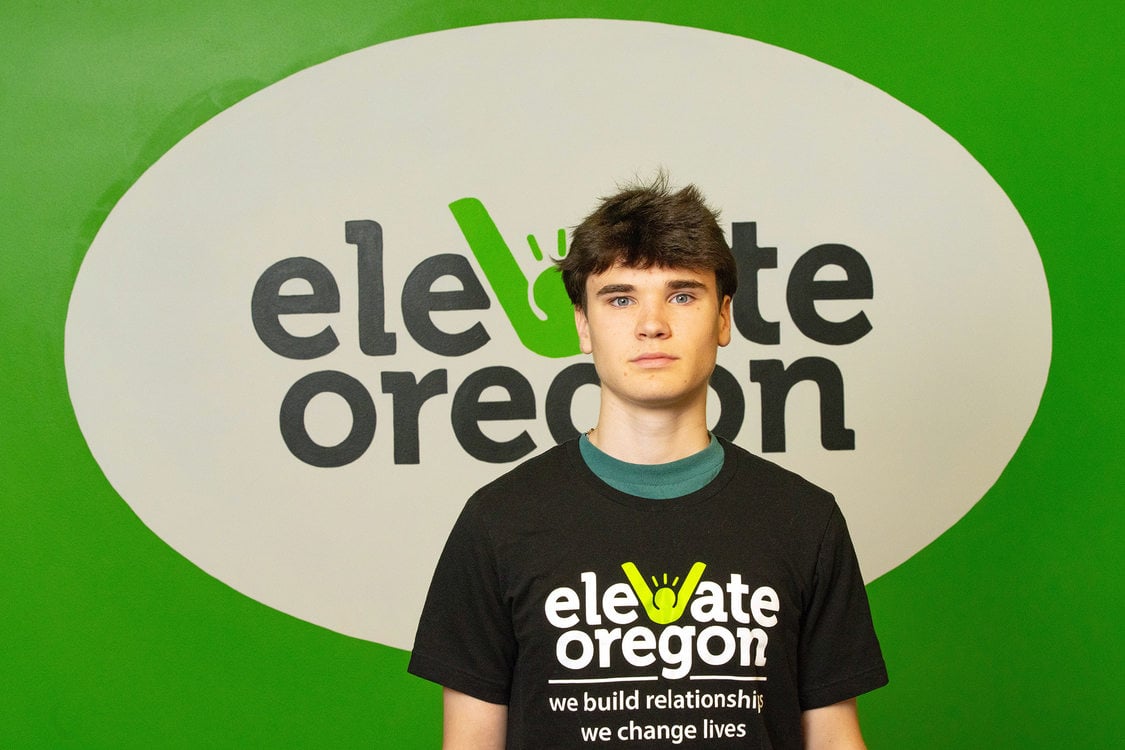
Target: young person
point(649, 585)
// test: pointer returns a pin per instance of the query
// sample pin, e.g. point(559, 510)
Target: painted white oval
point(178, 398)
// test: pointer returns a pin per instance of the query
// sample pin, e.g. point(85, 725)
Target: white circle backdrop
point(178, 398)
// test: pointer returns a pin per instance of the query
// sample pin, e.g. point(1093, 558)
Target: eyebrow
point(676, 284)
point(615, 289)
point(686, 284)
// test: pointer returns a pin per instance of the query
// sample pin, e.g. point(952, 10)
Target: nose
point(652, 323)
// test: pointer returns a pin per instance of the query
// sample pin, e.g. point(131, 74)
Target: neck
point(650, 436)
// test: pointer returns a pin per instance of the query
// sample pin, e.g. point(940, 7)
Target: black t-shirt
point(710, 620)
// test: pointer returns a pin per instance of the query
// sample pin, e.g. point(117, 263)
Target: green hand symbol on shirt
point(664, 605)
point(552, 334)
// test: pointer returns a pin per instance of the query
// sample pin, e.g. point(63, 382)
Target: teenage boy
point(648, 584)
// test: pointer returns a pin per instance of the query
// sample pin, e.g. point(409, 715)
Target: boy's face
point(654, 334)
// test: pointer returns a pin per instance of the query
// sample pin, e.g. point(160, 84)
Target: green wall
point(1005, 632)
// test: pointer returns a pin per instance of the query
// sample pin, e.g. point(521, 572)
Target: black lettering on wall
point(732, 404)
point(419, 300)
point(560, 396)
point(469, 411)
point(804, 290)
point(367, 236)
point(295, 432)
point(745, 308)
point(776, 381)
point(268, 304)
point(408, 395)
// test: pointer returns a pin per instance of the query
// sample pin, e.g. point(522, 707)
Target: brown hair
point(644, 226)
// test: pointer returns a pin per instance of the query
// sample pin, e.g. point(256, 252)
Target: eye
point(682, 298)
point(619, 301)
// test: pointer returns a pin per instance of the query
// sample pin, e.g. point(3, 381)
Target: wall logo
point(320, 321)
point(553, 335)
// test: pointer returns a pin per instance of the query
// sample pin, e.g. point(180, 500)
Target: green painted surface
point(1004, 633)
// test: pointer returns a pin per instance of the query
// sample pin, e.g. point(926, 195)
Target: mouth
point(654, 359)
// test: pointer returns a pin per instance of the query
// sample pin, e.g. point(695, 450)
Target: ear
point(583, 326)
point(724, 321)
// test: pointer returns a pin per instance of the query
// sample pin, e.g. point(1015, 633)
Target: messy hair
point(644, 226)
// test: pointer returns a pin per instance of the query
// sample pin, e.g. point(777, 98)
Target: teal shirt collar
point(655, 481)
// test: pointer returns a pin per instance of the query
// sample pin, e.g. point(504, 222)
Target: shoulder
point(764, 474)
point(539, 475)
point(779, 494)
point(500, 510)
point(540, 468)
point(533, 495)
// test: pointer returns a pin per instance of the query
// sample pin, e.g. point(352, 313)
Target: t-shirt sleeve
point(839, 655)
point(465, 639)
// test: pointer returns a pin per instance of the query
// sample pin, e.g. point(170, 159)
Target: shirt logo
point(665, 603)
